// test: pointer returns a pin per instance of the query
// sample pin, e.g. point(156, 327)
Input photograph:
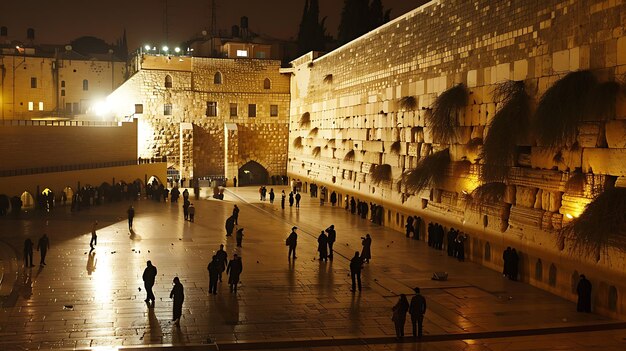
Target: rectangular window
point(68, 107)
point(75, 108)
point(233, 110)
point(274, 110)
point(211, 109)
point(242, 53)
point(63, 92)
point(251, 110)
point(33, 82)
point(85, 85)
point(167, 109)
point(40, 106)
point(62, 84)
point(138, 109)
point(260, 54)
point(31, 106)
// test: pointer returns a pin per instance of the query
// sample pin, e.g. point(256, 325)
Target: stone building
point(209, 116)
point(367, 113)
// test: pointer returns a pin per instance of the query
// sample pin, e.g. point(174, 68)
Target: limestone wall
point(353, 95)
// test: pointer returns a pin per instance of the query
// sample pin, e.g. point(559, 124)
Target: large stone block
point(605, 161)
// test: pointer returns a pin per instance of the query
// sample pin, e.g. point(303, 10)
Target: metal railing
point(77, 167)
point(45, 123)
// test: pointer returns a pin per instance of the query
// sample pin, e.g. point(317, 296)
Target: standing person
point(366, 253)
point(214, 273)
point(230, 225)
point(332, 237)
point(131, 216)
point(94, 237)
point(28, 253)
point(186, 204)
point(192, 212)
point(239, 236)
point(333, 198)
point(292, 242)
point(222, 259)
point(291, 199)
point(514, 265)
point(417, 226)
point(236, 214)
point(356, 264)
point(185, 193)
point(42, 246)
point(272, 195)
point(409, 226)
point(506, 258)
point(399, 315)
point(322, 246)
point(149, 275)
point(417, 309)
point(584, 295)
point(282, 200)
point(352, 205)
point(298, 197)
point(235, 267)
point(261, 192)
point(178, 294)
point(235, 182)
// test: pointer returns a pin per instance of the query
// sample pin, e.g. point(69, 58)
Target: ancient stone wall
point(366, 104)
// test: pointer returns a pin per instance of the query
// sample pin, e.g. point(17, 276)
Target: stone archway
point(252, 173)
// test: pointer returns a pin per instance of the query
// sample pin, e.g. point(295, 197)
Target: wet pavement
point(85, 300)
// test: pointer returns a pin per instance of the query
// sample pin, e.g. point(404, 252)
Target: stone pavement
point(81, 300)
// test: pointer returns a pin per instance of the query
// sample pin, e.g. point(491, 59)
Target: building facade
point(372, 104)
point(209, 116)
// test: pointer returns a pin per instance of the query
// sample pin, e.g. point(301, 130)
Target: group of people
point(511, 263)
point(413, 225)
point(292, 196)
point(42, 246)
point(231, 223)
point(325, 242)
point(363, 209)
point(417, 309)
point(219, 263)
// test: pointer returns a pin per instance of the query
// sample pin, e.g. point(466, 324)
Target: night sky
point(60, 21)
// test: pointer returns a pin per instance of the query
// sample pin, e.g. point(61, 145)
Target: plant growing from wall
point(443, 118)
point(313, 132)
point(395, 147)
point(507, 129)
point(601, 225)
point(602, 101)
point(489, 193)
point(297, 143)
point(305, 121)
point(380, 173)
point(328, 79)
point(408, 103)
point(349, 157)
point(430, 170)
point(560, 109)
point(316, 151)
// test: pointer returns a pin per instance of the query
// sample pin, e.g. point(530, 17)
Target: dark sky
point(60, 21)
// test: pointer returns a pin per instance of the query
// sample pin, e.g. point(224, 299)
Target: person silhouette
point(28, 253)
point(356, 264)
point(235, 267)
point(417, 309)
point(149, 276)
point(214, 272)
point(178, 294)
point(42, 246)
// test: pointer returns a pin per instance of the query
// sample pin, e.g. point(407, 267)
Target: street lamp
point(147, 47)
point(165, 48)
point(177, 50)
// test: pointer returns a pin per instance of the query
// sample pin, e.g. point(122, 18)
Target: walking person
point(192, 212)
point(131, 216)
point(584, 295)
point(214, 273)
point(282, 200)
point(230, 225)
point(399, 315)
point(291, 199)
point(236, 214)
point(222, 258)
point(178, 294)
point(356, 264)
point(332, 237)
point(298, 197)
point(417, 309)
point(28, 253)
point(235, 267)
point(366, 253)
point(149, 276)
point(272, 195)
point(42, 246)
point(239, 236)
point(292, 242)
point(94, 238)
point(322, 246)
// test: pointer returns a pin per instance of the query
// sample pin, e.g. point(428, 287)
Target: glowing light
point(177, 50)
point(165, 49)
point(101, 108)
point(569, 215)
point(147, 47)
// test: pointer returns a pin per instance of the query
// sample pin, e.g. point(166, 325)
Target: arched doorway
point(68, 194)
point(252, 173)
point(28, 201)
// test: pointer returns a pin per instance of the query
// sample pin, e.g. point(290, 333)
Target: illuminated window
point(242, 53)
point(267, 84)
point(217, 78)
point(274, 110)
point(168, 81)
point(40, 106)
point(33, 82)
point(251, 110)
point(85, 85)
point(233, 110)
point(211, 109)
point(167, 109)
point(31, 106)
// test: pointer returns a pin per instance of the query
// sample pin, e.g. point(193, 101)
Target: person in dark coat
point(272, 195)
point(235, 182)
point(366, 253)
point(584, 295)
point(332, 237)
point(282, 200)
point(230, 225)
point(291, 199)
point(352, 205)
point(417, 309)
point(214, 273)
point(431, 234)
point(450, 244)
point(409, 226)
point(239, 236)
point(298, 197)
point(178, 294)
point(42, 246)
point(149, 275)
point(514, 265)
point(322, 246)
point(131, 216)
point(356, 264)
point(235, 267)
point(236, 214)
point(28, 253)
point(417, 227)
point(506, 258)
point(460, 246)
point(292, 242)
point(399, 315)
point(186, 204)
point(222, 258)
point(333, 198)
point(175, 194)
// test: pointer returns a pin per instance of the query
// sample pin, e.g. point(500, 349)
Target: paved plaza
point(82, 300)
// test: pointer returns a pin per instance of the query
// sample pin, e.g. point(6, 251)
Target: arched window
point(613, 298)
point(85, 85)
point(539, 271)
point(574, 282)
point(168, 81)
point(267, 84)
point(217, 78)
